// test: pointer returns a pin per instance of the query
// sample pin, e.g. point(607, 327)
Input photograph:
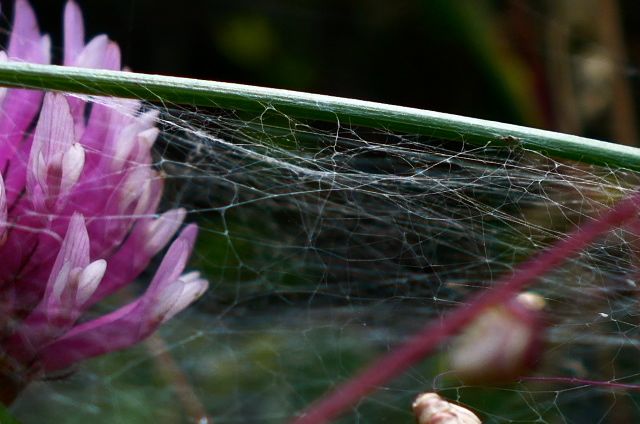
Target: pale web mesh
point(326, 245)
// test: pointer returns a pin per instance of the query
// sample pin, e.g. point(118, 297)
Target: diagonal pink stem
point(420, 345)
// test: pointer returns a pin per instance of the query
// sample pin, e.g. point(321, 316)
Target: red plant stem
point(421, 344)
point(582, 381)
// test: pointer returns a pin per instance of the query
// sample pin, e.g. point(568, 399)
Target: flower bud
point(429, 408)
point(500, 344)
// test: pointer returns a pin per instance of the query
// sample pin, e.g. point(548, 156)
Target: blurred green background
point(561, 65)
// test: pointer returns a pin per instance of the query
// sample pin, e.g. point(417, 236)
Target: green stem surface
point(298, 105)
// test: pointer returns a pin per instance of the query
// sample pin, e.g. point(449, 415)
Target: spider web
point(326, 245)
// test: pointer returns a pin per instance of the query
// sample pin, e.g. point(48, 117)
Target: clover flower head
point(78, 213)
